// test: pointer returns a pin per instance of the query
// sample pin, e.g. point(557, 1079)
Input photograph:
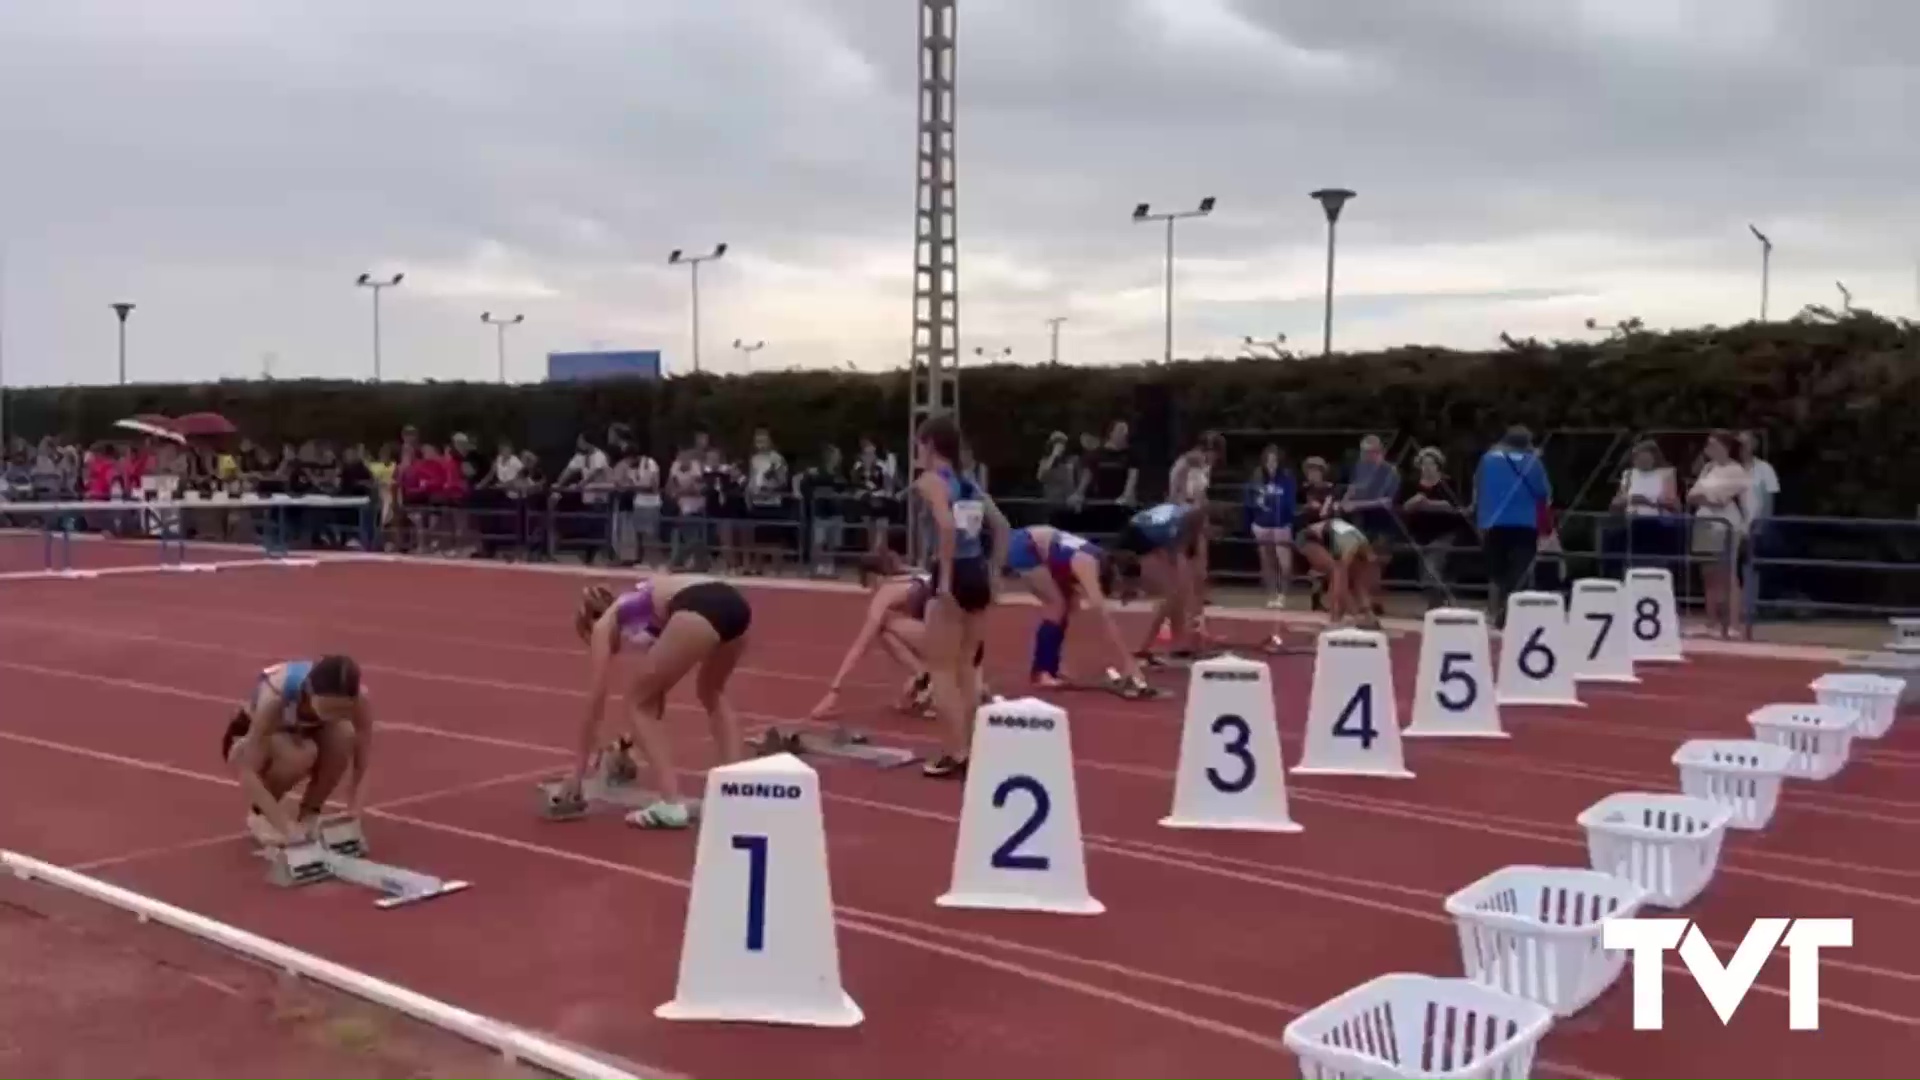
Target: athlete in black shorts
point(970, 543)
point(675, 624)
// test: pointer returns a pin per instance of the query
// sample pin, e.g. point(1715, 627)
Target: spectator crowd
point(753, 511)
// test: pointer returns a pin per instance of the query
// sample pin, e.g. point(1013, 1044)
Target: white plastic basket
point(1892, 665)
point(1820, 736)
point(1875, 697)
point(1668, 845)
point(1405, 1026)
point(1742, 775)
point(1534, 931)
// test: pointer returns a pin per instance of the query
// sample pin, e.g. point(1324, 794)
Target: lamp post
point(1143, 213)
point(122, 310)
point(747, 349)
point(368, 281)
point(500, 337)
point(1846, 298)
point(1331, 200)
point(692, 262)
point(1053, 336)
point(1766, 267)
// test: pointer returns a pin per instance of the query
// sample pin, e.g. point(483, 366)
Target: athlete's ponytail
point(594, 602)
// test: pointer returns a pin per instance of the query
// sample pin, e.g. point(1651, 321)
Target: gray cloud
point(1523, 165)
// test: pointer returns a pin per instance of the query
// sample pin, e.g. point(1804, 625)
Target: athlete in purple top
point(672, 625)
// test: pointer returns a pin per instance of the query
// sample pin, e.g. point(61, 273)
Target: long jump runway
point(113, 693)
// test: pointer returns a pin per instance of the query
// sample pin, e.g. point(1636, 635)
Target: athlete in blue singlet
point(970, 536)
point(1058, 566)
point(1165, 541)
point(304, 721)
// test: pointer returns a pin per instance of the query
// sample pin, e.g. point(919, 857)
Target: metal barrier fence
point(1784, 568)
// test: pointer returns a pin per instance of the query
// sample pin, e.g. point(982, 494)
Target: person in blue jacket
point(1513, 501)
point(1270, 507)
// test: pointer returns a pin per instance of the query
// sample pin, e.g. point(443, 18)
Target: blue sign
point(590, 366)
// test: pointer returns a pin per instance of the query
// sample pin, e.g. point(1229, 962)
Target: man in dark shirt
point(1109, 478)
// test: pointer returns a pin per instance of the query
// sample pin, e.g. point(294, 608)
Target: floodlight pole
point(1767, 266)
point(368, 281)
point(1331, 200)
point(122, 310)
point(692, 262)
point(500, 338)
point(1142, 212)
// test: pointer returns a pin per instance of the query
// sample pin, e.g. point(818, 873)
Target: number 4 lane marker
point(1019, 847)
point(1353, 721)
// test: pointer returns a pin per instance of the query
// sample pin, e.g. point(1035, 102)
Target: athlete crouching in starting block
point(305, 723)
point(1162, 543)
point(896, 620)
point(1058, 568)
point(1341, 552)
point(672, 625)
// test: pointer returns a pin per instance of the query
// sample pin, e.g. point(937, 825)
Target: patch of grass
point(358, 1033)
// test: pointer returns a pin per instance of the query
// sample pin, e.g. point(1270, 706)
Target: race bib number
point(969, 515)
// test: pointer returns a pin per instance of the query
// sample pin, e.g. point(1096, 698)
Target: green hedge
point(1839, 399)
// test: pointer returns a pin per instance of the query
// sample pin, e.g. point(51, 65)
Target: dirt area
point(88, 991)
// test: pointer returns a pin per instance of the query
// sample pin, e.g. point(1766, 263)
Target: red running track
point(112, 693)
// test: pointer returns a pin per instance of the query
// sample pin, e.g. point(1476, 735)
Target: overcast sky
point(232, 165)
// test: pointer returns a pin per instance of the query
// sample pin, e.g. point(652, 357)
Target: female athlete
point(965, 584)
point(1058, 567)
point(1164, 541)
point(676, 623)
point(1340, 552)
point(305, 721)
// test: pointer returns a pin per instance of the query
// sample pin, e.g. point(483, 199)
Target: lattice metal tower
point(934, 384)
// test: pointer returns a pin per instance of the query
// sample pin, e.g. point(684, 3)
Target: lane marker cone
point(760, 944)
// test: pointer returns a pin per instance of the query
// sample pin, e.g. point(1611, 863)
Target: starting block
point(1109, 682)
point(340, 854)
point(840, 742)
point(612, 783)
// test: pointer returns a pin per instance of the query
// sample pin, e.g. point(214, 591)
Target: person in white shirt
point(768, 485)
point(1649, 496)
point(686, 486)
point(1766, 482)
point(590, 475)
point(1762, 540)
point(1719, 502)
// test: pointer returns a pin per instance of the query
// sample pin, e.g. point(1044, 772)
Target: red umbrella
point(205, 425)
